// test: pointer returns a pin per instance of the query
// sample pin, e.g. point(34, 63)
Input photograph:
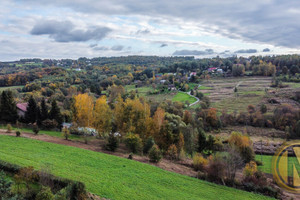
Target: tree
point(238, 70)
point(201, 140)
point(44, 110)
point(32, 111)
point(294, 70)
point(55, 113)
point(8, 108)
point(103, 116)
point(263, 108)
point(84, 106)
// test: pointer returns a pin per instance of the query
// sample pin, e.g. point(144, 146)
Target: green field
point(183, 97)
point(267, 163)
point(43, 132)
point(110, 176)
point(11, 88)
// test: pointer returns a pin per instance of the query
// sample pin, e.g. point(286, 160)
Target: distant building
point(21, 109)
point(212, 69)
point(193, 74)
point(162, 81)
point(220, 71)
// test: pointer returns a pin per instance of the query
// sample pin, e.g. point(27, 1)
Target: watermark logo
point(286, 166)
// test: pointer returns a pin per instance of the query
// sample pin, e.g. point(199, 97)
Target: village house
point(21, 109)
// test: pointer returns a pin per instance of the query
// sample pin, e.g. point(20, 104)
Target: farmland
point(110, 176)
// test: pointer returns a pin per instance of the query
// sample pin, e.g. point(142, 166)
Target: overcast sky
point(93, 28)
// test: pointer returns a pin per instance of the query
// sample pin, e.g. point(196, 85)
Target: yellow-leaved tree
point(84, 107)
point(103, 116)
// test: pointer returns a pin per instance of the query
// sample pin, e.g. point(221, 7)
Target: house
point(212, 69)
point(66, 125)
point(193, 74)
point(220, 71)
point(21, 109)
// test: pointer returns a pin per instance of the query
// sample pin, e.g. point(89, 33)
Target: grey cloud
point(93, 45)
point(65, 31)
point(163, 45)
point(117, 48)
point(186, 52)
point(266, 50)
point(246, 51)
point(254, 21)
point(143, 32)
point(113, 48)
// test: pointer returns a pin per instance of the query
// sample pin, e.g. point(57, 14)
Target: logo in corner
point(286, 166)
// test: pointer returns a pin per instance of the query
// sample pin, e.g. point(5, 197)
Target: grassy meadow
point(110, 176)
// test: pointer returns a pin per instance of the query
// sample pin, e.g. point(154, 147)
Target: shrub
point(148, 145)
point(9, 128)
point(216, 170)
point(66, 133)
point(49, 124)
point(35, 129)
point(247, 154)
point(45, 194)
point(263, 108)
point(112, 142)
point(172, 152)
point(199, 162)
point(250, 169)
point(134, 143)
point(18, 133)
point(155, 154)
point(5, 185)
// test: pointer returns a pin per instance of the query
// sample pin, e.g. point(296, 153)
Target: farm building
point(21, 109)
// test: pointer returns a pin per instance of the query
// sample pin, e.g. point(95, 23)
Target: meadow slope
point(110, 176)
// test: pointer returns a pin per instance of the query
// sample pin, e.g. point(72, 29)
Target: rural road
point(189, 93)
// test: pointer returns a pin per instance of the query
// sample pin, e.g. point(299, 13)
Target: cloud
point(163, 45)
point(113, 48)
point(117, 48)
point(266, 50)
point(143, 32)
point(186, 52)
point(65, 31)
point(255, 21)
point(246, 51)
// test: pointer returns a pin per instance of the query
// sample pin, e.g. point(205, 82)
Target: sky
point(58, 29)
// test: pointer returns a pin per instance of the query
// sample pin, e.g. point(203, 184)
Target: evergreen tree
point(8, 108)
point(32, 111)
point(201, 140)
point(44, 110)
point(55, 113)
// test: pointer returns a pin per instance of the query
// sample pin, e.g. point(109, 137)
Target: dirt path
point(181, 167)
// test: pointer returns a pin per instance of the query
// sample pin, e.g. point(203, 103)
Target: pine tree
point(8, 108)
point(32, 111)
point(44, 110)
point(201, 140)
point(55, 113)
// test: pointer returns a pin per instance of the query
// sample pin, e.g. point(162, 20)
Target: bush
point(155, 154)
point(216, 170)
point(18, 133)
point(247, 154)
point(263, 108)
point(133, 143)
point(148, 145)
point(35, 129)
point(49, 124)
point(9, 128)
point(250, 169)
point(172, 152)
point(199, 162)
point(45, 194)
point(66, 133)
point(112, 142)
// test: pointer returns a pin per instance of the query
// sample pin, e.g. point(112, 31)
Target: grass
point(204, 88)
point(183, 97)
point(43, 132)
point(11, 88)
point(267, 163)
point(110, 176)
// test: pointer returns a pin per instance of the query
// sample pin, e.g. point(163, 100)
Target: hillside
point(110, 176)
